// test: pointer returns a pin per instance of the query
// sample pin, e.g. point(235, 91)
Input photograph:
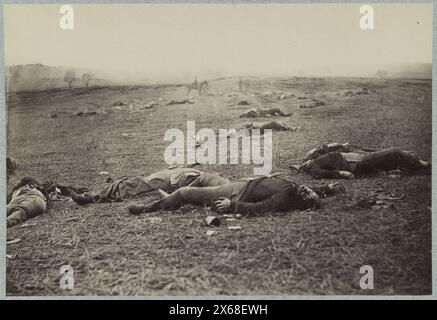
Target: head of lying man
point(30, 182)
point(306, 198)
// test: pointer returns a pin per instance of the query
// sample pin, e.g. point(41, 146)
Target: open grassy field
point(317, 252)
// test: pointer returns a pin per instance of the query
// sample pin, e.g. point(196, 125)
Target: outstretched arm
point(276, 202)
point(328, 190)
point(318, 173)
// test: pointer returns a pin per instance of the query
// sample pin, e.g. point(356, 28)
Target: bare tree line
point(16, 77)
point(70, 77)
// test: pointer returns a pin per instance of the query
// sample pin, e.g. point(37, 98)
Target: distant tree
point(381, 74)
point(86, 78)
point(69, 77)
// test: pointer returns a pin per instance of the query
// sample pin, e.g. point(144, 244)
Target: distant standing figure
point(202, 86)
point(240, 85)
point(192, 86)
point(196, 86)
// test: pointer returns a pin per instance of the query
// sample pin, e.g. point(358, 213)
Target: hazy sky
point(160, 41)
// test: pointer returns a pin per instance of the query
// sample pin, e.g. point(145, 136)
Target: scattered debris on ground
point(211, 232)
point(234, 228)
point(378, 200)
point(128, 134)
point(213, 221)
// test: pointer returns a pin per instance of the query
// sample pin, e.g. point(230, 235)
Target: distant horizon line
point(215, 75)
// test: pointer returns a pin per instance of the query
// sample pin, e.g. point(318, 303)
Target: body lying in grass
point(167, 180)
point(345, 161)
point(28, 199)
point(272, 125)
point(246, 130)
point(256, 196)
point(270, 112)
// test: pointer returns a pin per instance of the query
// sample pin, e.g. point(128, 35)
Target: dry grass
point(317, 252)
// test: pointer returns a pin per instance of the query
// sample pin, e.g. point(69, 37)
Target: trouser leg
point(389, 159)
point(126, 188)
point(196, 195)
point(208, 180)
point(24, 208)
point(328, 166)
point(16, 216)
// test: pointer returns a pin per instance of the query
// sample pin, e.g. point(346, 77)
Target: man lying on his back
point(338, 160)
point(256, 196)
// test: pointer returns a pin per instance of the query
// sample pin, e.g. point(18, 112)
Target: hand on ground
point(337, 187)
point(346, 175)
point(222, 204)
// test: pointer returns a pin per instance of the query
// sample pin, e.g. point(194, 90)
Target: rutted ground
point(316, 252)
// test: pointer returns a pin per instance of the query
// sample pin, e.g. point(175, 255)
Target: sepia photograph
point(208, 149)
